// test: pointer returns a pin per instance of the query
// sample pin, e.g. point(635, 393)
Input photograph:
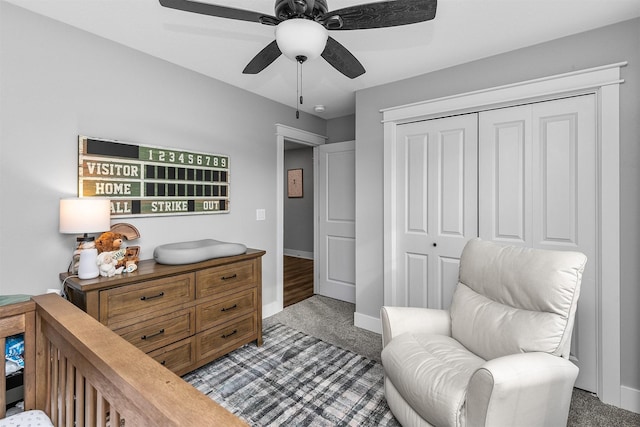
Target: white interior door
point(436, 207)
point(538, 188)
point(336, 222)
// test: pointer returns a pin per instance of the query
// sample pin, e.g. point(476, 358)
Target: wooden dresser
point(184, 316)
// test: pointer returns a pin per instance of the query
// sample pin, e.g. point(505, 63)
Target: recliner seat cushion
point(431, 373)
point(511, 299)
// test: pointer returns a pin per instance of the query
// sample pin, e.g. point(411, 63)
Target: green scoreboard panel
point(143, 180)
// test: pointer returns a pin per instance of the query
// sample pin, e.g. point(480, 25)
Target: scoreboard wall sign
point(144, 180)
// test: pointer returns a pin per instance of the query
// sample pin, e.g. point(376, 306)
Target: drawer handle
point(229, 308)
point(229, 277)
point(146, 337)
point(235, 331)
point(145, 298)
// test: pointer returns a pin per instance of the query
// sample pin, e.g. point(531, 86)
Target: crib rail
point(82, 374)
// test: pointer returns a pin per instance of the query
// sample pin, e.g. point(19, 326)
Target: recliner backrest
point(511, 299)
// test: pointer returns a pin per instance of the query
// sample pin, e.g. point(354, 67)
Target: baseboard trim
point(298, 254)
point(369, 323)
point(270, 309)
point(630, 399)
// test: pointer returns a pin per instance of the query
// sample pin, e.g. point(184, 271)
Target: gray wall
point(341, 129)
point(603, 46)
point(298, 212)
point(58, 82)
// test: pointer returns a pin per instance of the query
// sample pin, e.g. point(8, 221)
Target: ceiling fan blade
point(263, 59)
point(380, 15)
point(341, 59)
point(220, 11)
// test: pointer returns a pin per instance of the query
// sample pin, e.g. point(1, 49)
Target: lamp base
point(87, 267)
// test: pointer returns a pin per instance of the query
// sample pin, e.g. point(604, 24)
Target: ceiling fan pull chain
point(297, 90)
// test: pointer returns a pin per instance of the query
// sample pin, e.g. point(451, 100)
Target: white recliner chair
point(499, 355)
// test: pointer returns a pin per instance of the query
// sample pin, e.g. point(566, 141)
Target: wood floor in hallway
point(298, 279)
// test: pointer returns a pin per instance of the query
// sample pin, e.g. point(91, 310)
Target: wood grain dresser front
point(184, 316)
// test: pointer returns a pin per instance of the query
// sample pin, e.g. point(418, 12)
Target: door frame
point(288, 133)
point(604, 82)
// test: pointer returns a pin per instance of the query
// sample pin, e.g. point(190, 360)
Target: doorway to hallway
point(298, 279)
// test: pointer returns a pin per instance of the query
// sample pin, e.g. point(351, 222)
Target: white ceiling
point(462, 31)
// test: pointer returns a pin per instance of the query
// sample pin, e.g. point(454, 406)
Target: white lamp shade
point(301, 37)
point(85, 215)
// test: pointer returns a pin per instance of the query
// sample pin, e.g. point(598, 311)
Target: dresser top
point(149, 269)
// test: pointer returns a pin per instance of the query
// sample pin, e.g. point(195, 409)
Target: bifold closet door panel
point(504, 175)
point(436, 206)
point(537, 182)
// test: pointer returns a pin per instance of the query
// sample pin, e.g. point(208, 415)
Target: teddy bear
point(128, 259)
point(109, 242)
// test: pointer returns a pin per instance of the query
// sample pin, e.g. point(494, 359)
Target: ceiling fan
point(302, 27)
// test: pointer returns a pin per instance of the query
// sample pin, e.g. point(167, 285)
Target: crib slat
point(53, 366)
point(62, 381)
point(70, 394)
point(101, 411)
point(79, 399)
point(90, 405)
point(3, 383)
point(29, 376)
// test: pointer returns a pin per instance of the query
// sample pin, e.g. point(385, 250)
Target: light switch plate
point(260, 214)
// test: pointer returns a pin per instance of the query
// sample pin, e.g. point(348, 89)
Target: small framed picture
point(294, 183)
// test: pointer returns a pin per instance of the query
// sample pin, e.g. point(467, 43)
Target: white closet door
point(436, 207)
point(537, 186)
point(504, 176)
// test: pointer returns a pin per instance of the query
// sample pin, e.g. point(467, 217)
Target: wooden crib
point(80, 373)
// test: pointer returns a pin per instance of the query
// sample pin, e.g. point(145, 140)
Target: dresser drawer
point(219, 340)
point(177, 357)
point(221, 311)
point(160, 331)
point(127, 302)
point(217, 280)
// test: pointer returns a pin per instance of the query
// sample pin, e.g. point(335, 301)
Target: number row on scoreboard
point(185, 174)
point(163, 189)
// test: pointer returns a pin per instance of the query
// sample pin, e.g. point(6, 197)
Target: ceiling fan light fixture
point(298, 37)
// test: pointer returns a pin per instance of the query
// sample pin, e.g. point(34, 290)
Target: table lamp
point(84, 215)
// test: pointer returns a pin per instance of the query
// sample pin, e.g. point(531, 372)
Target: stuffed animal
point(109, 242)
point(112, 242)
point(127, 258)
point(107, 264)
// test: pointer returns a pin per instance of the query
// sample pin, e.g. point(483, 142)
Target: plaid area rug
point(296, 380)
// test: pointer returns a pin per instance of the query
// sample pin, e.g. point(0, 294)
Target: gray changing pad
point(195, 251)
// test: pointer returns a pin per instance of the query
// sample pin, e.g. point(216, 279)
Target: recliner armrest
point(398, 320)
point(521, 389)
